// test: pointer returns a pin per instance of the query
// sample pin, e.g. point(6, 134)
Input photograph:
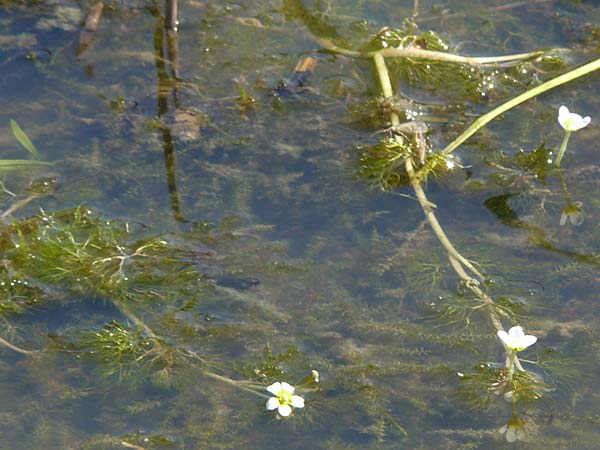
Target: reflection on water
point(204, 232)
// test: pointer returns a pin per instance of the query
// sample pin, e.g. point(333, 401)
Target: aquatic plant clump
point(120, 349)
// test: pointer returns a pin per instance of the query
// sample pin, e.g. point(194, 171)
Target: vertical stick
point(171, 22)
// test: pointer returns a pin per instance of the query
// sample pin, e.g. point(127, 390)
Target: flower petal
point(284, 410)
point(511, 434)
point(275, 388)
point(528, 341)
point(297, 401)
point(563, 219)
point(563, 115)
point(576, 219)
point(503, 335)
point(287, 387)
point(516, 332)
point(571, 121)
point(272, 403)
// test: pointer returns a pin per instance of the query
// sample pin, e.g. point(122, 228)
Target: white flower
point(514, 429)
point(516, 340)
point(315, 375)
point(571, 121)
point(573, 213)
point(284, 399)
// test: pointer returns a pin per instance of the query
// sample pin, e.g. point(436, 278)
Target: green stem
point(429, 55)
point(457, 261)
point(511, 358)
point(550, 84)
point(385, 83)
point(563, 147)
point(564, 186)
point(158, 342)
point(438, 230)
point(233, 383)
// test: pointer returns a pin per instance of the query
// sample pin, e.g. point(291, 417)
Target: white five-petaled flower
point(284, 398)
point(571, 121)
point(516, 340)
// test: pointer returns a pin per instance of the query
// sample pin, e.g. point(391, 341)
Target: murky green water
point(202, 234)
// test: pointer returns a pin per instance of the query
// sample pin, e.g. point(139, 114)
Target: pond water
point(213, 222)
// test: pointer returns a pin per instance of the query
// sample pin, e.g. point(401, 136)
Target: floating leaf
point(24, 139)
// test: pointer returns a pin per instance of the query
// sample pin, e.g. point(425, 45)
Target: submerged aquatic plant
point(570, 122)
point(121, 349)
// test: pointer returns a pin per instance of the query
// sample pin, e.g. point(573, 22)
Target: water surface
point(197, 220)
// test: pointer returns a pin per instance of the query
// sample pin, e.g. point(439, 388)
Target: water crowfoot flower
point(516, 339)
point(315, 375)
point(514, 430)
point(284, 398)
point(570, 122)
point(573, 213)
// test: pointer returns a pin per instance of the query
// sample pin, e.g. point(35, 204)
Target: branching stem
point(429, 55)
point(458, 262)
point(240, 384)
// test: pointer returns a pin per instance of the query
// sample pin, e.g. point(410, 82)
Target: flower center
point(285, 398)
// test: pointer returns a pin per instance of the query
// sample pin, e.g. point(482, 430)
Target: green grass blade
point(15, 164)
point(24, 139)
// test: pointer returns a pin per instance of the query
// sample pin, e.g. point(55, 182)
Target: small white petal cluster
point(284, 398)
point(315, 375)
point(516, 340)
point(514, 430)
point(571, 121)
point(573, 213)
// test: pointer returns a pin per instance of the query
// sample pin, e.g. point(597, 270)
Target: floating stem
point(544, 87)
point(429, 55)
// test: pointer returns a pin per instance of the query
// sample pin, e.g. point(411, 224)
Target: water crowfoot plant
point(570, 122)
